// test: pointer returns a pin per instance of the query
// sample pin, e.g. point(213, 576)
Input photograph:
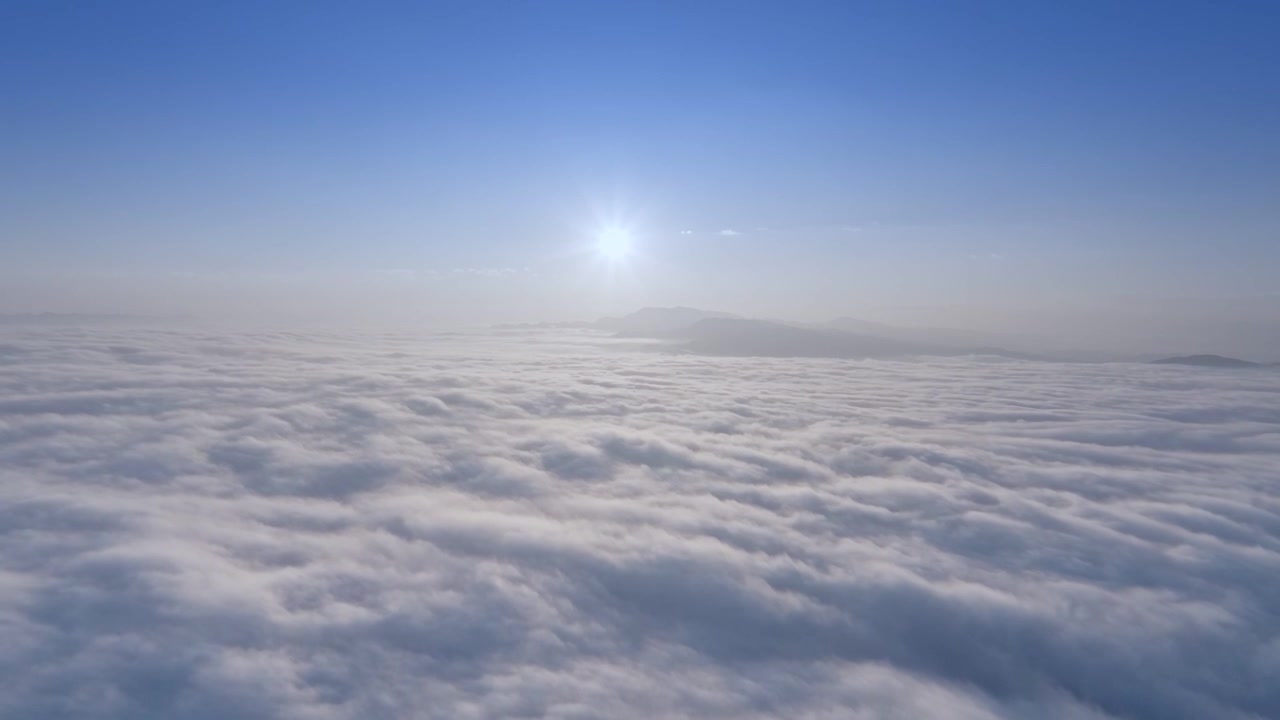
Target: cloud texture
point(200, 525)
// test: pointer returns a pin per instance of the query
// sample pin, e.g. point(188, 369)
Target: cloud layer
point(528, 524)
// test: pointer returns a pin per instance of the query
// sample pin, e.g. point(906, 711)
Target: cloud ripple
point(199, 525)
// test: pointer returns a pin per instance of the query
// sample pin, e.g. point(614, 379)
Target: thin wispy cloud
point(488, 271)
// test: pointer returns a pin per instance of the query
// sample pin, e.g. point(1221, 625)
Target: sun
point(613, 244)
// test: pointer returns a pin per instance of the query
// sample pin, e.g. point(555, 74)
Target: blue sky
point(865, 155)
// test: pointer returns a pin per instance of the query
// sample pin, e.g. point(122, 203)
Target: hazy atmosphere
point(639, 360)
point(1092, 169)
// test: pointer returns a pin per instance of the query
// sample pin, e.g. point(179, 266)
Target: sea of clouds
point(531, 523)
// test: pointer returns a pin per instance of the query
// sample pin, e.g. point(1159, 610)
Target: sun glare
point(613, 244)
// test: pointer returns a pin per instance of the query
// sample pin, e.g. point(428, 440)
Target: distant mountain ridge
point(929, 335)
point(720, 333)
point(658, 322)
point(738, 336)
point(1205, 360)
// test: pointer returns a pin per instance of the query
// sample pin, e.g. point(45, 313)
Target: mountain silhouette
point(657, 321)
point(1206, 361)
point(716, 333)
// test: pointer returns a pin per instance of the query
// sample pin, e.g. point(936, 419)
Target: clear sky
point(961, 161)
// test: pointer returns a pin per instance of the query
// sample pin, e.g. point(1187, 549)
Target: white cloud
point(203, 525)
point(729, 232)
